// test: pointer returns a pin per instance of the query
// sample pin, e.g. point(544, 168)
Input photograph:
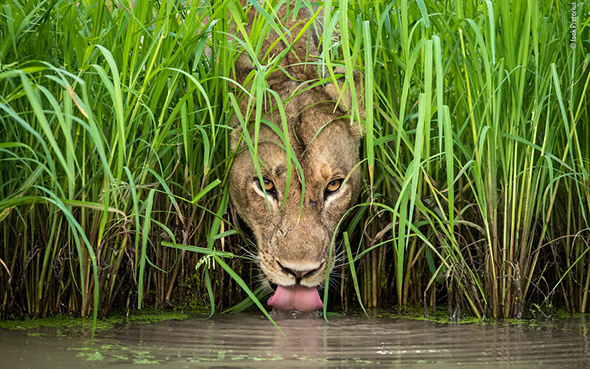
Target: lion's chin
point(296, 297)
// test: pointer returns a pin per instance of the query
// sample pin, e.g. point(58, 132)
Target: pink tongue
point(296, 297)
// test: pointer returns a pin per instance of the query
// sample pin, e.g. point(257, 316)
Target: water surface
point(249, 340)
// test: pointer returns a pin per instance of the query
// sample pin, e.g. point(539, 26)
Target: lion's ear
point(236, 133)
point(340, 92)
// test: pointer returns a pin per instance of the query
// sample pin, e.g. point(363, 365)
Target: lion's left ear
point(340, 92)
point(236, 133)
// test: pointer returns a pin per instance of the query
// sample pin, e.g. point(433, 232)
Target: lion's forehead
point(323, 154)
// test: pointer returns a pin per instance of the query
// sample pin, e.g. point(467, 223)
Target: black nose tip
point(299, 274)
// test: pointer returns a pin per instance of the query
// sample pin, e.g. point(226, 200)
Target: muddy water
point(249, 340)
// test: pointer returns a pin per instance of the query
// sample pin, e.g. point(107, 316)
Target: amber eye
point(269, 185)
point(333, 186)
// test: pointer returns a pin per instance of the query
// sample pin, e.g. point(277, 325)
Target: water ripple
point(249, 340)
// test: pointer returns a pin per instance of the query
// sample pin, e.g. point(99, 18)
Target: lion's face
point(294, 222)
point(294, 227)
point(290, 241)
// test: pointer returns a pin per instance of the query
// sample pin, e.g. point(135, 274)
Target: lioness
point(293, 239)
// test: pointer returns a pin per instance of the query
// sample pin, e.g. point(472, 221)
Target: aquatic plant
point(114, 130)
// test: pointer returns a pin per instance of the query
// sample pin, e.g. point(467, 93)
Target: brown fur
point(327, 147)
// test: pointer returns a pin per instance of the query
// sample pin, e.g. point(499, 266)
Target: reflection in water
point(248, 340)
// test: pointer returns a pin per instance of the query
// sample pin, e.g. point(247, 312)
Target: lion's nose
point(298, 274)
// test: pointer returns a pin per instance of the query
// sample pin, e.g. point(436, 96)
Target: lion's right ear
point(340, 92)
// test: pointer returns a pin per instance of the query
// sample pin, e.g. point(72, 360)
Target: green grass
point(114, 144)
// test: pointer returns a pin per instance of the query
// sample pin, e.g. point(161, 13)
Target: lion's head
point(294, 224)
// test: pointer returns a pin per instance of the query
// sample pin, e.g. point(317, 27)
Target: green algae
point(65, 323)
point(92, 356)
point(564, 314)
point(416, 312)
point(145, 357)
point(80, 323)
point(60, 321)
point(36, 334)
point(120, 353)
point(441, 316)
